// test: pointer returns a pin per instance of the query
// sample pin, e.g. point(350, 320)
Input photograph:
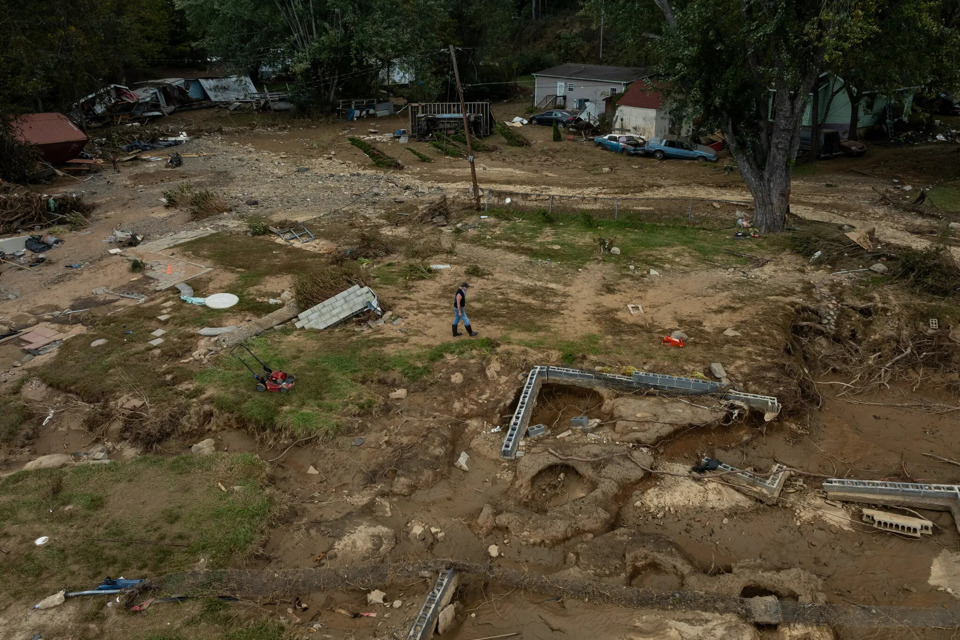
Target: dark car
point(562, 118)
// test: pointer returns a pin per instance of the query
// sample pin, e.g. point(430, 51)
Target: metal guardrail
point(639, 380)
point(422, 628)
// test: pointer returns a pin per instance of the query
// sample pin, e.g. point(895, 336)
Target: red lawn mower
point(273, 381)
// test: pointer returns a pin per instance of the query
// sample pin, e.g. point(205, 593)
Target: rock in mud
point(365, 543)
point(717, 371)
point(485, 521)
point(456, 378)
point(647, 420)
point(446, 618)
point(804, 632)
point(204, 447)
point(879, 268)
point(376, 597)
point(732, 333)
point(52, 461)
point(690, 625)
point(494, 551)
point(399, 394)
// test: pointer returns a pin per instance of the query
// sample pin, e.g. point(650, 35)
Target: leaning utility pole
point(466, 129)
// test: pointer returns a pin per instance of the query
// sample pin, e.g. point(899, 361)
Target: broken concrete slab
point(157, 333)
point(215, 331)
point(99, 342)
point(649, 419)
point(256, 327)
point(156, 342)
point(766, 490)
point(897, 523)
point(340, 307)
point(938, 497)
point(164, 317)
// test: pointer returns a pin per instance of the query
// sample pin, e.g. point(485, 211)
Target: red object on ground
point(55, 137)
point(674, 342)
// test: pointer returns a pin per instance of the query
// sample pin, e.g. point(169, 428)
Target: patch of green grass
point(335, 378)
point(946, 196)
point(258, 225)
point(571, 239)
point(94, 513)
point(12, 416)
point(261, 630)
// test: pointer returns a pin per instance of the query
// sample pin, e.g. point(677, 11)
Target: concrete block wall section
point(338, 308)
point(521, 416)
point(422, 628)
point(906, 525)
point(639, 380)
point(938, 497)
point(766, 489)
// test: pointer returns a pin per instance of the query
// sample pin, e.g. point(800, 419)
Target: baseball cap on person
point(464, 285)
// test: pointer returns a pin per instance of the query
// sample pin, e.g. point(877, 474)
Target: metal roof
point(229, 89)
point(641, 95)
point(47, 128)
point(596, 72)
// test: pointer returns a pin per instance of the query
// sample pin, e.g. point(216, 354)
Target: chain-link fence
point(699, 212)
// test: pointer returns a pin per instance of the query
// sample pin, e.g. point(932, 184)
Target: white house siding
point(649, 123)
point(574, 90)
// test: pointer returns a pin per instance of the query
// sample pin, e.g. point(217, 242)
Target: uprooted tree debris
point(24, 209)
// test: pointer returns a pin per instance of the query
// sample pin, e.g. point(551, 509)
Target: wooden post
point(466, 130)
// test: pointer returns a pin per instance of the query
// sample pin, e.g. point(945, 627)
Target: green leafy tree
point(556, 132)
point(56, 51)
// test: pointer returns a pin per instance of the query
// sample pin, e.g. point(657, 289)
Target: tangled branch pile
point(313, 287)
point(23, 209)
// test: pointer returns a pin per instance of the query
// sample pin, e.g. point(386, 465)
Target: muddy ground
point(601, 533)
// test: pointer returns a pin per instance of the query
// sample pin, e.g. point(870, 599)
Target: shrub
point(422, 157)
point(204, 204)
point(448, 149)
point(18, 161)
point(556, 133)
point(513, 138)
point(379, 157)
point(258, 226)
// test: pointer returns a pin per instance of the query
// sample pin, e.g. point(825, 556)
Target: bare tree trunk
point(814, 125)
point(854, 111)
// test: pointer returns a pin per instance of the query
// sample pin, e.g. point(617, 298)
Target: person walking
point(460, 311)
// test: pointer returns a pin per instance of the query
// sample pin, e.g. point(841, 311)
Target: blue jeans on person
point(460, 314)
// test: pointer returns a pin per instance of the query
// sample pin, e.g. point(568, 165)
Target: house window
point(613, 90)
point(569, 87)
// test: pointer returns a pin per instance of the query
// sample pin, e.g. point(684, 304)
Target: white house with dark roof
point(571, 86)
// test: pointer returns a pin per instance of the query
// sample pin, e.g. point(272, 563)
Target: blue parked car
point(660, 148)
point(626, 144)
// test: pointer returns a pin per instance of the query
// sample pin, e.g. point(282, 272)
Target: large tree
point(747, 69)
